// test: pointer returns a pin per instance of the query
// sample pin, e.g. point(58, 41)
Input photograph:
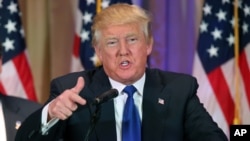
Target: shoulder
point(84, 73)
point(19, 105)
point(171, 80)
point(22, 101)
point(168, 75)
point(70, 79)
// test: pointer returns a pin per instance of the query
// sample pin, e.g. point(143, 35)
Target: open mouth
point(125, 63)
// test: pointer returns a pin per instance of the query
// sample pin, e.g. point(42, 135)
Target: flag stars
point(84, 35)
point(20, 14)
point(221, 15)
point(246, 10)
point(239, 3)
point(232, 22)
point(95, 60)
point(105, 3)
point(230, 40)
point(90, 2)
point(22, 32)
point(10, 26)
point(12, 7)
point(245, 28)
point(203, 27)
point(8, 44)
point(207, 9)
point(87, 18)
point(226, 1)
point(213, 51)
point(216, 34)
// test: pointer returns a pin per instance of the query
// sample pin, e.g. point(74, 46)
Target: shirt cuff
point(47, 125)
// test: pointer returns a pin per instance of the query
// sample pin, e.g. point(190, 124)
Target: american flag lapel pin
point(161, 101)
point(18, 124)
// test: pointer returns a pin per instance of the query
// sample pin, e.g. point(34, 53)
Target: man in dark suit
point(165, 103)
point(13, 111)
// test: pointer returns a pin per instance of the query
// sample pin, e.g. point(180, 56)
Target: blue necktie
point(131, 124)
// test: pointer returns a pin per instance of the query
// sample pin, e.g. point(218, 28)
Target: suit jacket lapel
point(154, 107)
point(106, 126)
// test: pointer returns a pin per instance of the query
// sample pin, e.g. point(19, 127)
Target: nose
point(123, 51)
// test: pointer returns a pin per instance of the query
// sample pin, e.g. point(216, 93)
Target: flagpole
point(237, 117)
point(98, 6)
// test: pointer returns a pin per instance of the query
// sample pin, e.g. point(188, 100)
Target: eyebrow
point(112, 37)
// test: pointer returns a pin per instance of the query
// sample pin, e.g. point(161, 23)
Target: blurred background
point(189, 38)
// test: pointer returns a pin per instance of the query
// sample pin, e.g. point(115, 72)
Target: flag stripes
point(16, 77)
point(222, 93)
point(24, 74)
point(244, 69)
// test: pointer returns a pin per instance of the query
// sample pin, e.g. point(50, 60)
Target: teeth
point(124, 63)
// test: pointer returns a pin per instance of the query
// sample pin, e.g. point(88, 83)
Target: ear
point(98, 52)
point(150, 46)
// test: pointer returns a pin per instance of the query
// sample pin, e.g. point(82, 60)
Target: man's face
point(123, 51)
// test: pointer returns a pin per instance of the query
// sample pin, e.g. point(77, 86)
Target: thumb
point(79, 85)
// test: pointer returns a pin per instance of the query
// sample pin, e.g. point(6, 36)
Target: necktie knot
point(130, 90)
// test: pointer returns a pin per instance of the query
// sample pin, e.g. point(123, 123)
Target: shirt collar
point(138, 84)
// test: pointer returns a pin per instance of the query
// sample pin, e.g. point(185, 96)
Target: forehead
point(121, 30)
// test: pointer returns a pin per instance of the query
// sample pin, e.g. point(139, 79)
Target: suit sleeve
point(30, 129)
point(199, 125)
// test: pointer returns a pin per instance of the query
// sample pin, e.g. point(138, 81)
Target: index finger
point(77, 99)
point(79, 85)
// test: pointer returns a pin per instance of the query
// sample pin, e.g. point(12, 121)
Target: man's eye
point(132, 40)
point(111, 43)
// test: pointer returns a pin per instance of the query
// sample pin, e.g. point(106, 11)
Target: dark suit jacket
point(178, 116)
point(15, 110)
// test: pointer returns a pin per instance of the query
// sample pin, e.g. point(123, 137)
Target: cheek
point(142, 52)
point(107, 55)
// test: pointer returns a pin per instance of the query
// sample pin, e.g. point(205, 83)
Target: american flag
point(16, 77)
point(83, 54)
point(224, 83)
